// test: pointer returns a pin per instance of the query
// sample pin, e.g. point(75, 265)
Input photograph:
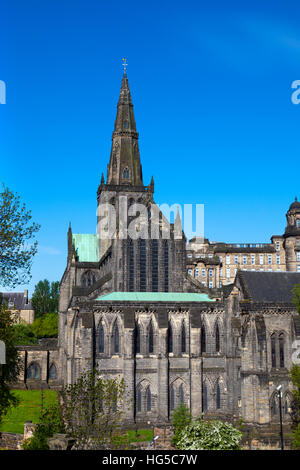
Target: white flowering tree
point(209, 435)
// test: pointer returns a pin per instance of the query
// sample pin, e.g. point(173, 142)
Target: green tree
point(9, 371)
point(45, 326)
point(92, 410)
point(24, 334)
point(209, 435)
point(45, 297)
point(181, 418)
point(49, 423)
point(16, 234)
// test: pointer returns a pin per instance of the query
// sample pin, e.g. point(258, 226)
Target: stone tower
point(140, 261)
point(292, 237)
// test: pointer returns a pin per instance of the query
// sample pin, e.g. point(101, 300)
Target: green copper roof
point(156, 297)
point(86, 246)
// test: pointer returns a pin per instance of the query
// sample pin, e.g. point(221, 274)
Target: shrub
point(209, 435)
point(49, 424)
point(181, 418)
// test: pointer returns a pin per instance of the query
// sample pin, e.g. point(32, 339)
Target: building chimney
point(26, 296)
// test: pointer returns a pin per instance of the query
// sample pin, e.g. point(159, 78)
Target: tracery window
point(142, 265)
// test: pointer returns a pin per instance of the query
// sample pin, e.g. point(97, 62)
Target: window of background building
point(252, 259)
point(270, 259)
point(244, 259)
point(236, 259)
point(227, 259)
point(261, 259)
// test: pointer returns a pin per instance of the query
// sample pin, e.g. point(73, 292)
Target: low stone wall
point(11, 441)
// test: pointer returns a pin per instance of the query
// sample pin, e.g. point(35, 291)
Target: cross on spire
point(124, 64)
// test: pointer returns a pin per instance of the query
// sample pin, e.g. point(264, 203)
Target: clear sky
point(211, 87)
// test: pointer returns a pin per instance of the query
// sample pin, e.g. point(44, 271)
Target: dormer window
point(126, 173)
point(298, 223)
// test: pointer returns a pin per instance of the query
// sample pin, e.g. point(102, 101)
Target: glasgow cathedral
point(135, 308)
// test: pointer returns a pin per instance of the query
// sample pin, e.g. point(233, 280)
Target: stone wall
point(11, 441)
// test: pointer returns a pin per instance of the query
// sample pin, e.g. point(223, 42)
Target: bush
point(49, 424)
point(24, 334)
point(45, 326)
point(181, 418)
point(209, 435)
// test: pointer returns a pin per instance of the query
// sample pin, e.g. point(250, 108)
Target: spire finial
point(124, 64)
point(296, 199)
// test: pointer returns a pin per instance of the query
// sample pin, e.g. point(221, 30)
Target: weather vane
point(124, 64)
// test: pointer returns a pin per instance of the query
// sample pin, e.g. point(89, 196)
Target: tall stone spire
point(124, 165)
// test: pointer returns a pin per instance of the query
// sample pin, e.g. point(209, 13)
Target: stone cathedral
point(130, 307)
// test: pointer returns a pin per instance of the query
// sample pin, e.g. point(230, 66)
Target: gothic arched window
point(181, 394)
point(131, 266)
point(116, 339)
point(33, 371)
point(274, 407)
point(183, 339)
point(52, 372)
point(172, 398)
point(204, 397)
point(273, 350)
point(203, 339)
point(148, 398)
point(166, 256)
point(142, 265)
point(218, 396)
point(139, 399)
point(154, 265)
point(126, 173)
point(281, 349)
point(217, 338)
point(170, 339)
point(101, 339)
point(150, 338)
point(137, 339)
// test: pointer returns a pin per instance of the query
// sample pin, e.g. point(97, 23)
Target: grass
point(29, 409)
point(142, 435)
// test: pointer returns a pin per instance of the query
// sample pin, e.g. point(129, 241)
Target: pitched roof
point(156, 297)
point(18, 299)
point(87, 247)
point(268, 286)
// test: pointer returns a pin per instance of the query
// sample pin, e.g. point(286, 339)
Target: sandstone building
point(131, 308)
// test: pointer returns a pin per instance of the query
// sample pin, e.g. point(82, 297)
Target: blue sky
point(211, 86)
